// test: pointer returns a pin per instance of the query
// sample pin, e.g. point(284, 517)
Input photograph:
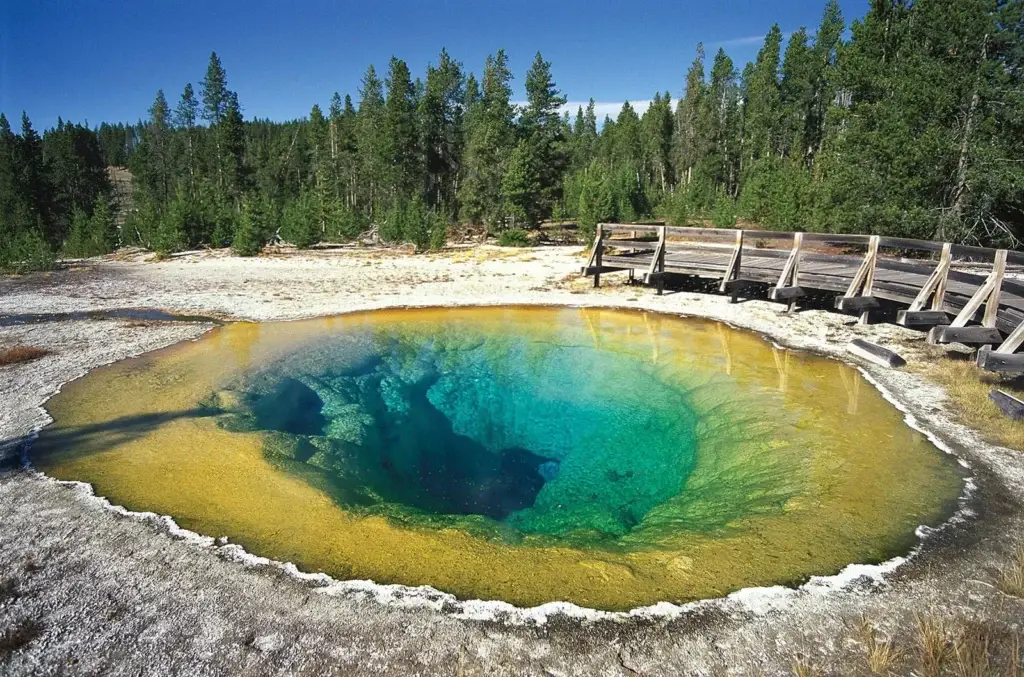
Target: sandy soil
point(88, 589)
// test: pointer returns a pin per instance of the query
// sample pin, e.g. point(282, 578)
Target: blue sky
point(104, 60)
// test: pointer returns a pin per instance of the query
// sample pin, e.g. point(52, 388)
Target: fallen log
point(875, 354)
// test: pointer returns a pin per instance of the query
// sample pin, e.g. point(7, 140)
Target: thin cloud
point(738, 42)
point(745, 41)
point(601, 108)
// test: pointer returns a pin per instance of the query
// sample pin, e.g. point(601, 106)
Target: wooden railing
point(956, 305)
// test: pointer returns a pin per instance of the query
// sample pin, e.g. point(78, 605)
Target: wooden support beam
point(1013, 341)
point(864, 280)
point(966, 335)
point(988, 293)
point(991, 360)
point(875, 354)
point(921, 318)
point(992, 303)
point(732, 271)
point(658, 262)
point(1008, 404)
point(598, 247)
point(935, 286)
point(790, 276)
point(856, 304)
point(786, 293)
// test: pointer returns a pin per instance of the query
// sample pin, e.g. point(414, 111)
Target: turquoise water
point(506, 427)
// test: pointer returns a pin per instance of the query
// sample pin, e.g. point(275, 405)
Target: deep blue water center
point(516, 429)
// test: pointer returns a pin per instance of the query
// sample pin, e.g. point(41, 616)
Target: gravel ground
point(87, 588)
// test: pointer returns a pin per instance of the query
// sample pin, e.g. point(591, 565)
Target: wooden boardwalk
point(980, 307)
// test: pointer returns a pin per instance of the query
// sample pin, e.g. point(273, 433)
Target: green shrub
point(516, 237)
point(27, 251)
point(253, 227)
point(724, 215)
point(299, 222)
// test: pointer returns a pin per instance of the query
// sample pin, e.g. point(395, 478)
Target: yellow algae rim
point(426, 594)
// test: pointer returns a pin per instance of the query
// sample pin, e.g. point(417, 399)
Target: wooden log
point(875, 354)
point(921, 318)
point(965, 335)
point(856, 304)
point(734, 287)
point(992, 360)
point(1008, 404)
point(786, 293)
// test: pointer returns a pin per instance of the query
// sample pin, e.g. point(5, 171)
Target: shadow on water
point(134, 314)
point(93, 438)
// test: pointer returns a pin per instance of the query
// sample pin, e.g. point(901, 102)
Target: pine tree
point(253, 226)
point(102, 226)
point(541, 126)
point(156, 172)
point(400, 138)
point(185, 120)
point(762, 101)
point(490, 143)
point(231, 140)
point(299, 221)
point(688, 139)
point(214, 92)
point(441, 120)
point(656, 129)
point(33, 184)
point(720, 118)
point(824, 56)
point(370, 141)
point(522, 187)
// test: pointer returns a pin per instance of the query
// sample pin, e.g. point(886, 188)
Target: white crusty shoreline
point(295, 286)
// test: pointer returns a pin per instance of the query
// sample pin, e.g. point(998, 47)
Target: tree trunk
point(962, 189)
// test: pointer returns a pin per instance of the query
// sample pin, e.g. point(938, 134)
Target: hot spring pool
point(608, 458)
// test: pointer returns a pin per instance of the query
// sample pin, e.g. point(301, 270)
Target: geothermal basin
point(608, 458)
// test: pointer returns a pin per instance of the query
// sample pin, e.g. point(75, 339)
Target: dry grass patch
point(968, 388)
point(883, 656)
point(933, 643)
point(18, 354)
point(1010, 578)
point(802, 666)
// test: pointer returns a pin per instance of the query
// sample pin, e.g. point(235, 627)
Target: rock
point(269, 643)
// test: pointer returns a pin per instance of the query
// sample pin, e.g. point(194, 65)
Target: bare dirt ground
point(87, 589)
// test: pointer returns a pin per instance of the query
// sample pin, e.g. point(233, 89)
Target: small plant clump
point(19, 354)
point(515, 237)
point(19, 635)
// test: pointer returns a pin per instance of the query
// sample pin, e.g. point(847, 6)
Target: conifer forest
point(906, 122)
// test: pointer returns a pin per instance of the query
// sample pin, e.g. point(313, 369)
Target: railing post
point(992, 306)
point(732, 272)
point(945, 258)
point(661, 259)
point(869, 279)
point(598, 246)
